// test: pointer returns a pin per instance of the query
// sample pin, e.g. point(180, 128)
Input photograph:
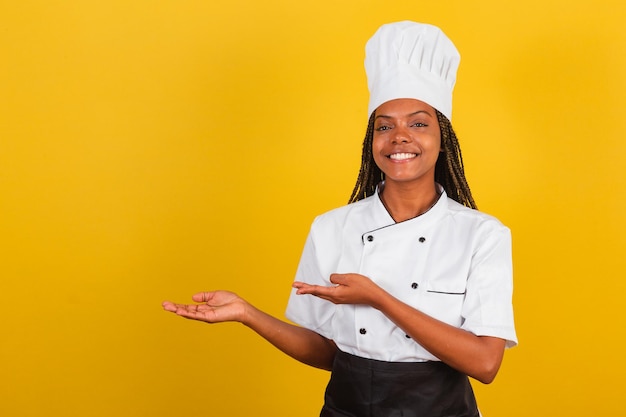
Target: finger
point(190, 314)
point(169, 306)
point(191, 311)
point(299, 285)
point(202, 297)
point(303, 287)
point(182, 309)
point(318, 290)
point(339, 279)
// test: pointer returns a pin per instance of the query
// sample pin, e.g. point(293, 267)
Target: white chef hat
point(411, 60)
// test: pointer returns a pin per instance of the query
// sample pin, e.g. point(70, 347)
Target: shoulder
point(476, 220)
point(340, 215)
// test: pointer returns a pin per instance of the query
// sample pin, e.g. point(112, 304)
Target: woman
point(406, 291)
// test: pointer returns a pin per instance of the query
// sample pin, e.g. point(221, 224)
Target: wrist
point(382, 301)
point(247, 313)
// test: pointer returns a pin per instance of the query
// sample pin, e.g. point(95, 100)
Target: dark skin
point(301, 344)
point(405, 147)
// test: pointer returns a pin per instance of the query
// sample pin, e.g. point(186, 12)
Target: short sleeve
point(488, 309)
point(306, 310)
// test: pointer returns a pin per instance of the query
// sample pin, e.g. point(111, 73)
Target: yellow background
point(153, 149)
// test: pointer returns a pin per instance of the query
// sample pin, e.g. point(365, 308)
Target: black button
point(422, 239)
point(414, 285)
point(362, 330)
point(407, 336)
point(370, 238)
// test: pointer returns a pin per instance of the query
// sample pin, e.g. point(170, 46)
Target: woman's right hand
point(298, 342)
point(211, 307)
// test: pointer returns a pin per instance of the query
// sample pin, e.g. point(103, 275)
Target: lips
point(402, 156)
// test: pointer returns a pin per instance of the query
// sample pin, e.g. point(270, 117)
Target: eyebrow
point(408, 115)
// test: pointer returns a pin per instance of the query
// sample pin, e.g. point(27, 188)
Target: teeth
point(401, 156)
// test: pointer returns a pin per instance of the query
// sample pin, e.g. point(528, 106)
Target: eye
point(419, 124)
point(382, 128)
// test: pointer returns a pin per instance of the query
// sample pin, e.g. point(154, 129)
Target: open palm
point(211, 307)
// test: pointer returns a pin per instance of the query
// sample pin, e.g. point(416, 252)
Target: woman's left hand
point(348, 289)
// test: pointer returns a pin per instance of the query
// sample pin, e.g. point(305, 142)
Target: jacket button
point(414, 285)
point(370, 238)
point(407, 336)
point(422, 239)
point(362, 330)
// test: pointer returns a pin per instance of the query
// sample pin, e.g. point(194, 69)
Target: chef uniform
point(451, 262)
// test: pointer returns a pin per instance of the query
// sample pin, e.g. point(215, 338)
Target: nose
point(401, 135)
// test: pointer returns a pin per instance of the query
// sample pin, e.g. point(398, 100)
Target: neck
point(405, 201)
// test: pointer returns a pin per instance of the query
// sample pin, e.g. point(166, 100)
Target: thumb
point(339, 279)
point(201, 297)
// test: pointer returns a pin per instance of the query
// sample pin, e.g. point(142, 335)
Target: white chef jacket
point(452, 263)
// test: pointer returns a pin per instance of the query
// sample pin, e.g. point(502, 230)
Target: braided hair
point(449, 171)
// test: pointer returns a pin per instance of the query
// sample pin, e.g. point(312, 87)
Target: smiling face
point(406, 141)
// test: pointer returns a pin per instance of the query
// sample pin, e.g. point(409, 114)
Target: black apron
point(361, 387)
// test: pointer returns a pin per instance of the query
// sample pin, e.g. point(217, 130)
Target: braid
point(369, 174)
point(449, 170)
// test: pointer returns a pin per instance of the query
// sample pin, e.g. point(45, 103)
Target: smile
point(402, 156)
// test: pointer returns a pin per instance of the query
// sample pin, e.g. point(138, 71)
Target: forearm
point(300, 343)
point(476, 356)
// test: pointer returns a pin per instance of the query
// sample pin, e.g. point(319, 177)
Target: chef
point(412, 286)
